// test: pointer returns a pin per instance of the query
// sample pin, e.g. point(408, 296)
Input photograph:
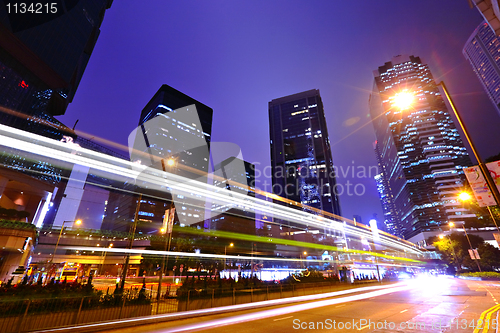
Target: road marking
point(338, 306)
point(403, 311)
point(362, 328)
point(282, 318)
point(488, 314)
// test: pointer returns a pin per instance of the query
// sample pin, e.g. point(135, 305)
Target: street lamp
point(305, 256)
point(77, 222)
point(470, 245)
point(464, 196)
point(484, 170)
point(225, 252)
point(104, 257)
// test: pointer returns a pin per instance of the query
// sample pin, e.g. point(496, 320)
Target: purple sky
point(236, 56)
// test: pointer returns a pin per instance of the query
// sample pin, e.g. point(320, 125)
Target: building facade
point(419, 150)
point(172, 127)
point(301, 159)
point(483, 52)
point(43, 55)
point(490, 10)
point(42, 59)
point(236, 176)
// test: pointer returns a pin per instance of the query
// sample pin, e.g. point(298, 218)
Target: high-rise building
point(419, 149)
point(43, 55)
point(172, 126)
point(357, 218)
point(483, 52)
point(301, 159)
point(490, 10)
point(236, 176)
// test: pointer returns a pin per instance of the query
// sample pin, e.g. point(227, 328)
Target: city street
point(428, 305)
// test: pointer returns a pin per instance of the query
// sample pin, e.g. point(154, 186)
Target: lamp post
point(104, 257)
point(169, 215)
point(305, 256)
point(225, 253)
point(464, 196)
point(476, 260)
point(484, 170)
point(77, 222)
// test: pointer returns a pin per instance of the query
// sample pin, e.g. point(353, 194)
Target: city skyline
point(237, 66)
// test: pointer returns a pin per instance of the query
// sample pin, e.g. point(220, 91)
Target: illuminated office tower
point(418, 147)
point(170, 128)
point(483, 52)
point(301, 159)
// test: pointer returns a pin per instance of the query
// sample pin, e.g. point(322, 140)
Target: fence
point(37, 314)
point(194, 299)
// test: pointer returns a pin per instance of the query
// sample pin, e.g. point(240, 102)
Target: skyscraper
point(483, 52)
point(236, 176)
point(419, 149)
point(170, 128)
point(43, 56)
point(490, 10)
point(301, 159)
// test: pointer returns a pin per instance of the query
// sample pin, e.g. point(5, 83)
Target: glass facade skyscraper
point(419, 150)
point(483, 52)
point(169, 128)
point(301, 159)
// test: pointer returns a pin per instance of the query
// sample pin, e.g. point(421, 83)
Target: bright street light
point(464, 196)
point(403, 100)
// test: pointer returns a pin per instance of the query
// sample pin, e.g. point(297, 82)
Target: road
point(437, 304)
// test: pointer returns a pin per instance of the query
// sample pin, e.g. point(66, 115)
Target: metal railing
point(36, 314)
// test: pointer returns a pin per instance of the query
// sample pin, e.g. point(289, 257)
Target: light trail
point(113, 168)
point(155, 319)
point(208, 255)
point(280, 311)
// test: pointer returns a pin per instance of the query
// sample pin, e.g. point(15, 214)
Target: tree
point(490, 258)
point(454, 249)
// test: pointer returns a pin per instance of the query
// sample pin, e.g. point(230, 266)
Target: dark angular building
point(43, 54)
point(301, 159)
point(169, 129)
point(236, 176)
point(42, 59)
point(419, 150)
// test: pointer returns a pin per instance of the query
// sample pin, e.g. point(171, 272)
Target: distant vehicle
point(405, 275)
point(69, 272)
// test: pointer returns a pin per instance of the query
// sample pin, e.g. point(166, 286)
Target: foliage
point(482, 274)
point(63, 296)
point(308, 276)
point(454, 249)
point(13, 214)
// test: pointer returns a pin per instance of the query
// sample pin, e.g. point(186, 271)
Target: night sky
point(236, 56)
